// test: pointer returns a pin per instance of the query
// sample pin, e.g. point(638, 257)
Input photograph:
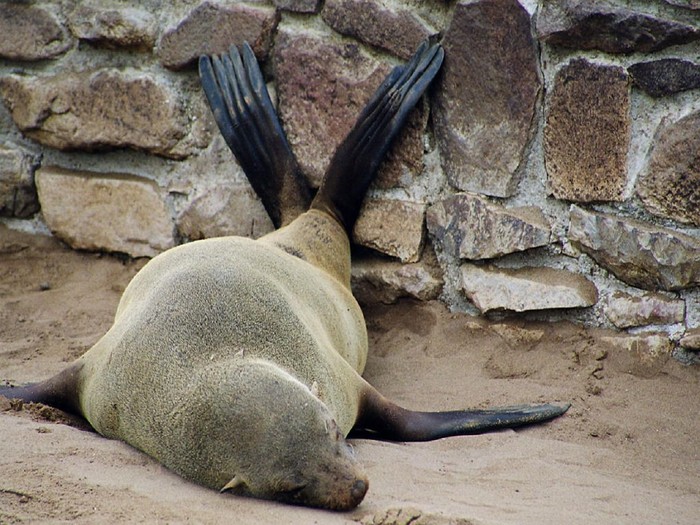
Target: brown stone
point(670, 186)
point(525, 289)
point(396, 30)
point(471, 227)
point(114, 28)
point(392, 227)
point(383, 281)
point(224, 209)
point(98, 110)
point(587, 132)
point(112, 212)
point(298, 6)
point(17, 191)
point(322, 87)
point(31, 33)
point(625, 310)
point(691, 340)
point(486, 95)
point(606, 27)
point(636, 252)
point(212, 28)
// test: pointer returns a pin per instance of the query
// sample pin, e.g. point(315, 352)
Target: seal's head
point(288, 447)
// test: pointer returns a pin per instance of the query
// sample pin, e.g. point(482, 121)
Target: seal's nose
point(357, 492)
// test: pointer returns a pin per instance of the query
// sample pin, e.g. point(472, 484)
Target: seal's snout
point(358, 491)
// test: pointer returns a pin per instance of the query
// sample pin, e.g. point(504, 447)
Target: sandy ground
point(628, 451)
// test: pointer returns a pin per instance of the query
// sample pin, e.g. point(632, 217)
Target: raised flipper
point(242, 108)
point(60, 391)
point(357, 159)
point(383, 420)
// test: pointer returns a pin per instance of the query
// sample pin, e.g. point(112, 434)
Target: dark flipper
point(383, 420)
point(243, 111)
point(60, 391)
point(357, 159)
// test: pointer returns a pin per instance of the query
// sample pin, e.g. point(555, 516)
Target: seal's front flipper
point(242, 108)
point(383, 420)
point(357, 159)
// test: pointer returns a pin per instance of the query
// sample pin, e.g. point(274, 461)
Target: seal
point(237, 363)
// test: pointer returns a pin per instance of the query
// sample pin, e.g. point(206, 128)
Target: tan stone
point(625, 310)
point(392, 227)
point(212, 28)
point(691, 340)
point(587, 132)
point(298, 6)
point(486, 95)
point(385, 281)
point(525, 289)
point(394, 29)
point(31, 33)
point(670, 186)
point(642, 355)
point(17, 191)
point(114, 28)
point(111, 212)
point(102, 109)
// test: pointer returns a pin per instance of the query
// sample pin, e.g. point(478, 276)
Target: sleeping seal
point(237, 363)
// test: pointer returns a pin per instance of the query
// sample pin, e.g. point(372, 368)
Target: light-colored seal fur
point(237, 363)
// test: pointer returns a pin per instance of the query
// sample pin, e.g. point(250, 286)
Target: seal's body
point(237, 363)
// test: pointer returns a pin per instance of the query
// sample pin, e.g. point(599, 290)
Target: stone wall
point(553, 171)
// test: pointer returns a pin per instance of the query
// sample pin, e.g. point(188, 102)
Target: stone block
point(102, 109)
point(17, 191)
point(213, 28)
point(31, 33)
point(114, 28)
point(392, 227)
point(224, 209)
point(397, 30)
point(486, 95)
point(385, 281)
point(643, 355)
point(105, 212)
point(322, 86)
point(525, 289)
point(691, 340)
point(670, 185)
point(666, 76)
point(470, 227)
point(298, 6)
point(625, 310)
point(636, 252)
point(602, 25)
point(587, 132)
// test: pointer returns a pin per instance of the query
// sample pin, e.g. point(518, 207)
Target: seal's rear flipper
point(383, 420)
point(242, 108)
point(59, 391)
point(357, 159)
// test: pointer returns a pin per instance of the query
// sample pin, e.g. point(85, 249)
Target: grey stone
point(98, 110)
point(486, 95)
point(625, 310)
point(525, 289)
point(392, 227)
point(224, 209)
point(471, 227)
point(670, 185)
point(112, 212)
point(587, 132)
point(636, 252)
point(322, 87)
point(213, 28)
point(17, 191)
point(602, 25)
point(643, 355)
point(384, 281)
point(688, 4)
point(396, 30)
point(113, 28)
point(664, 77)
point(298, 6)
point(31, 33)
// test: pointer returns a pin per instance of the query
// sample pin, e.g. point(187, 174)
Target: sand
point(628, 451)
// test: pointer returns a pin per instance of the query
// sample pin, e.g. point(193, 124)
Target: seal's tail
point(383, 420)
point(59, 391)
point(357, 159)
point(241, 105)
